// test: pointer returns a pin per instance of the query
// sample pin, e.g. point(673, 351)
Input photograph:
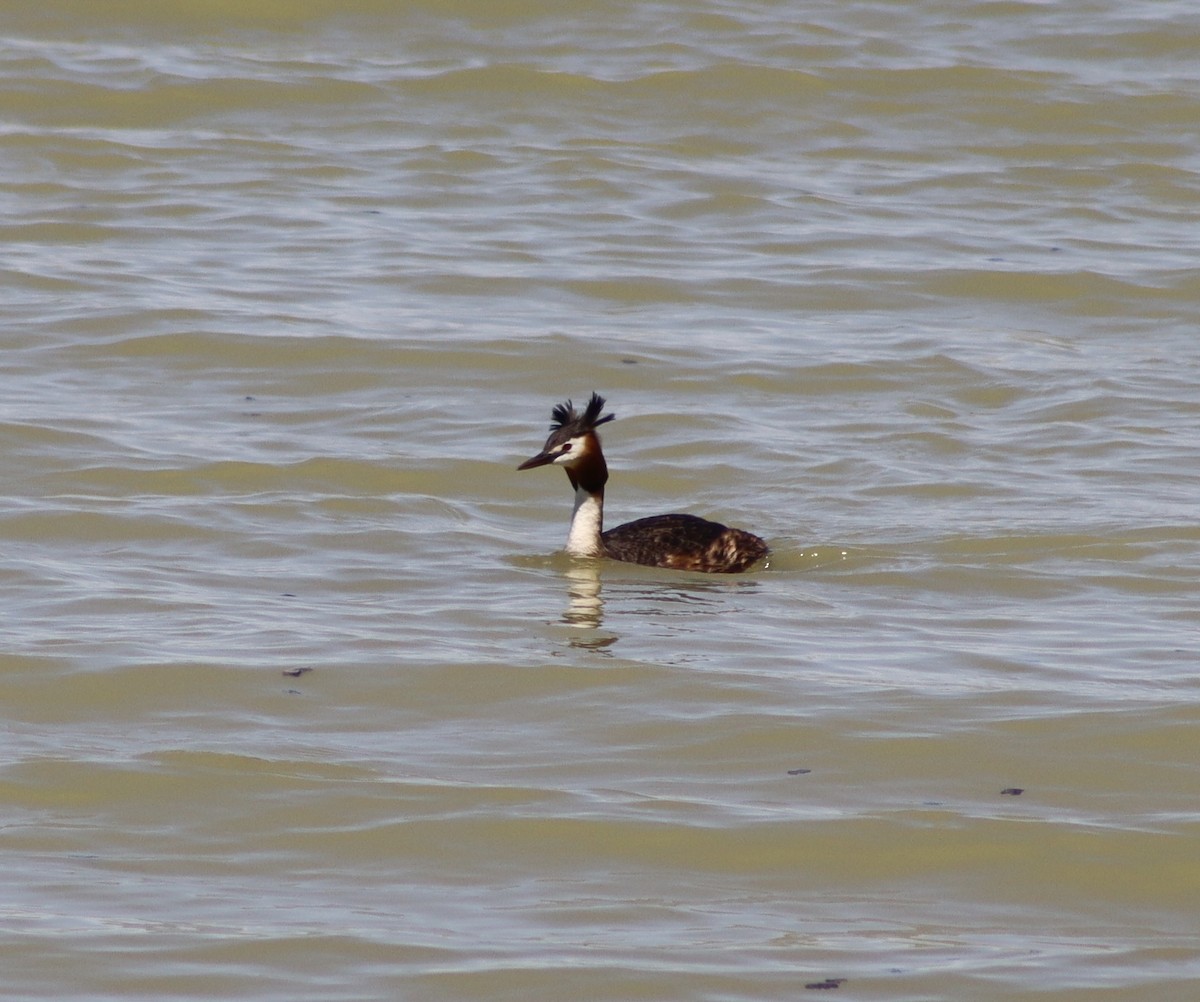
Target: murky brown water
point(908, 289)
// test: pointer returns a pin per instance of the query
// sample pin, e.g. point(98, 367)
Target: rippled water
point(302, 699)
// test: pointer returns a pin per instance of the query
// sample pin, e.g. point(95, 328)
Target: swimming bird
point(683, 542)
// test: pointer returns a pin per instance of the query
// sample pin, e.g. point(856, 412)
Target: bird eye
point(566, 447)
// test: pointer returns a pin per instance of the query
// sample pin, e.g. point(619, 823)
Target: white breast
point(584, 538)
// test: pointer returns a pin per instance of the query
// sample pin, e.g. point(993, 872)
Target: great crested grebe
point(684, 542)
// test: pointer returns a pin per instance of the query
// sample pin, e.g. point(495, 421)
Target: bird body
point(682, 542)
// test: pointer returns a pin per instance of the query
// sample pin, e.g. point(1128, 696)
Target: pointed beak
point(541, 459)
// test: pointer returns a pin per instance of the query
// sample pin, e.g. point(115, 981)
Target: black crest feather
point(565, 417)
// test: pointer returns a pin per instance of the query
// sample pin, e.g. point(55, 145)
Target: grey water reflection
point(585, 606)
point(645, 599)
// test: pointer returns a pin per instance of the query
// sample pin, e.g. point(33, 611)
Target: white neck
point(584, 538)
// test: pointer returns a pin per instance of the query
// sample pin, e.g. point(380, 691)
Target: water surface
point(303, 700)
